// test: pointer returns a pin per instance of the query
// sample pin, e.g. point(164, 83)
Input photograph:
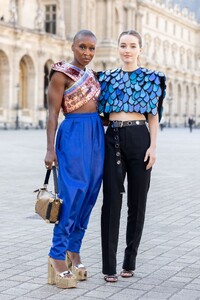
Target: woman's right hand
point(50, 159)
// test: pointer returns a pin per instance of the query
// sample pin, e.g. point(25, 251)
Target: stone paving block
point(142, 287)
point(64, 297)
point(176, 297)
point(128, 294)
point(7, 297)
point(187, 295)
point(156, 295)
point(86, 298)
point(17, 291)
point(99, 294)
point(37, 294)
point(29, 286)
point(192, 286)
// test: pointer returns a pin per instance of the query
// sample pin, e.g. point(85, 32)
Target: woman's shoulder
point(63, 66)
point(68, 69)
point(152, 73)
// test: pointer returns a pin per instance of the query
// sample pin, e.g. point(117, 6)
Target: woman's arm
point(151, 151)
point(55, 96)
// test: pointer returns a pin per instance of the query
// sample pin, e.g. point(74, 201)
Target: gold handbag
point(48, 205)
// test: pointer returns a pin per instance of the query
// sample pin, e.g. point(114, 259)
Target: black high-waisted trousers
point(124, 154)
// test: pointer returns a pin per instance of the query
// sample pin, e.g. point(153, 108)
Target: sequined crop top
point(140, 91)
point(84, 89)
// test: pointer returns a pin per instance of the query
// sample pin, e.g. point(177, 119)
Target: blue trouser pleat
point(80, 153)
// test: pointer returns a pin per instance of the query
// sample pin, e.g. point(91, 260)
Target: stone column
point(109, 14)
point(13, 12)
point(131, 16)
point(138, 23)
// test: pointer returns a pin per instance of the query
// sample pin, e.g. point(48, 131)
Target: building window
point(50, 18)
point(189, 39)
point(147, 18)
point(157, 22)
point(182, 32)
point(166, 25)
point(174, 29)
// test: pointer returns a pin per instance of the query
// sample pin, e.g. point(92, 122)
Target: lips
point(86, 58)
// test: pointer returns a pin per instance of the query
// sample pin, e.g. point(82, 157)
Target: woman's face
point(129, 49)
point(84, 50)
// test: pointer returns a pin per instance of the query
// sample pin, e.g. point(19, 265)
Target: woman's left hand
point(151, 156)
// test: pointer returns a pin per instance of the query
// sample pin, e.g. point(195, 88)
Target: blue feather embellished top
point(140, 91)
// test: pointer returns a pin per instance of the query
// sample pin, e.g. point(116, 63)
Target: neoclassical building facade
point(34, 34)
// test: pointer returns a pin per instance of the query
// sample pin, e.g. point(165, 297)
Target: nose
point(87, 52)
point(127, 49)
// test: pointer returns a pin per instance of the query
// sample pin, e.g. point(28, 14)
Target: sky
point(193, 5)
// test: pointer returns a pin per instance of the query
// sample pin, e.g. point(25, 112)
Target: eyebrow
point(123, 43)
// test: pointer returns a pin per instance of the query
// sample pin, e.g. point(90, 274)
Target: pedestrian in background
point(191, 123)
point(162, 123)
point(130, 96)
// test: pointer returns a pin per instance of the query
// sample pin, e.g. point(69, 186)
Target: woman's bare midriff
point(89, 107)
point(123, 116)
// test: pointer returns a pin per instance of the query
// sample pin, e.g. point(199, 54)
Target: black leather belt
point(117, 124)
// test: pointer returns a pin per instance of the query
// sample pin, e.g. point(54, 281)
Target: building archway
point(195, 103)
point(179, 102)
point(26, 83)
point(4, 77)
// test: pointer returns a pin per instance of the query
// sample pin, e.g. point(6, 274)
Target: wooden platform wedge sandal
point(63, 280)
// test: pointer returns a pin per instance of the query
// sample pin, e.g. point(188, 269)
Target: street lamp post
point(17, 108)
point(195, 114)
point(169, 101)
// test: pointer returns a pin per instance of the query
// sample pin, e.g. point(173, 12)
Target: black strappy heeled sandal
point(111, 278)
point(126, 273)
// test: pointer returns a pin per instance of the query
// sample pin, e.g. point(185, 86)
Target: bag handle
point(55, 178)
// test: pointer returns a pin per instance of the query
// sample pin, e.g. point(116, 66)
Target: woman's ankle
point(74, 257)
point(58, 265)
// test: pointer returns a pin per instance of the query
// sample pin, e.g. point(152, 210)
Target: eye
point(82, 47)
point(92, 49)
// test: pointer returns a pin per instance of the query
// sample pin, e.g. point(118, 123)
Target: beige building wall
point(170, 44)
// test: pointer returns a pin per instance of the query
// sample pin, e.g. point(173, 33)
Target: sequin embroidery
point(84, 89)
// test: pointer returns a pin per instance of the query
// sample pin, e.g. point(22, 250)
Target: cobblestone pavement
point(168, 264)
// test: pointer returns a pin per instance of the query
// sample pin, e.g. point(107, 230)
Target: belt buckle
point(114, 124)
point(121, 124)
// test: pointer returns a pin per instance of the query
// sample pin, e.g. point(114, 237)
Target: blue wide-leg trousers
point(80, 153)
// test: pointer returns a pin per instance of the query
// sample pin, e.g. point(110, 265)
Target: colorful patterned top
point(140, 91)
point(84, 89)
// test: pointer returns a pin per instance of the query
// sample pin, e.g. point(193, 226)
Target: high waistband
point(117, 124)
point(81, 115)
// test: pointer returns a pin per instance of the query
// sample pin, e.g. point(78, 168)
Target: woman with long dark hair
point(130, 97)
